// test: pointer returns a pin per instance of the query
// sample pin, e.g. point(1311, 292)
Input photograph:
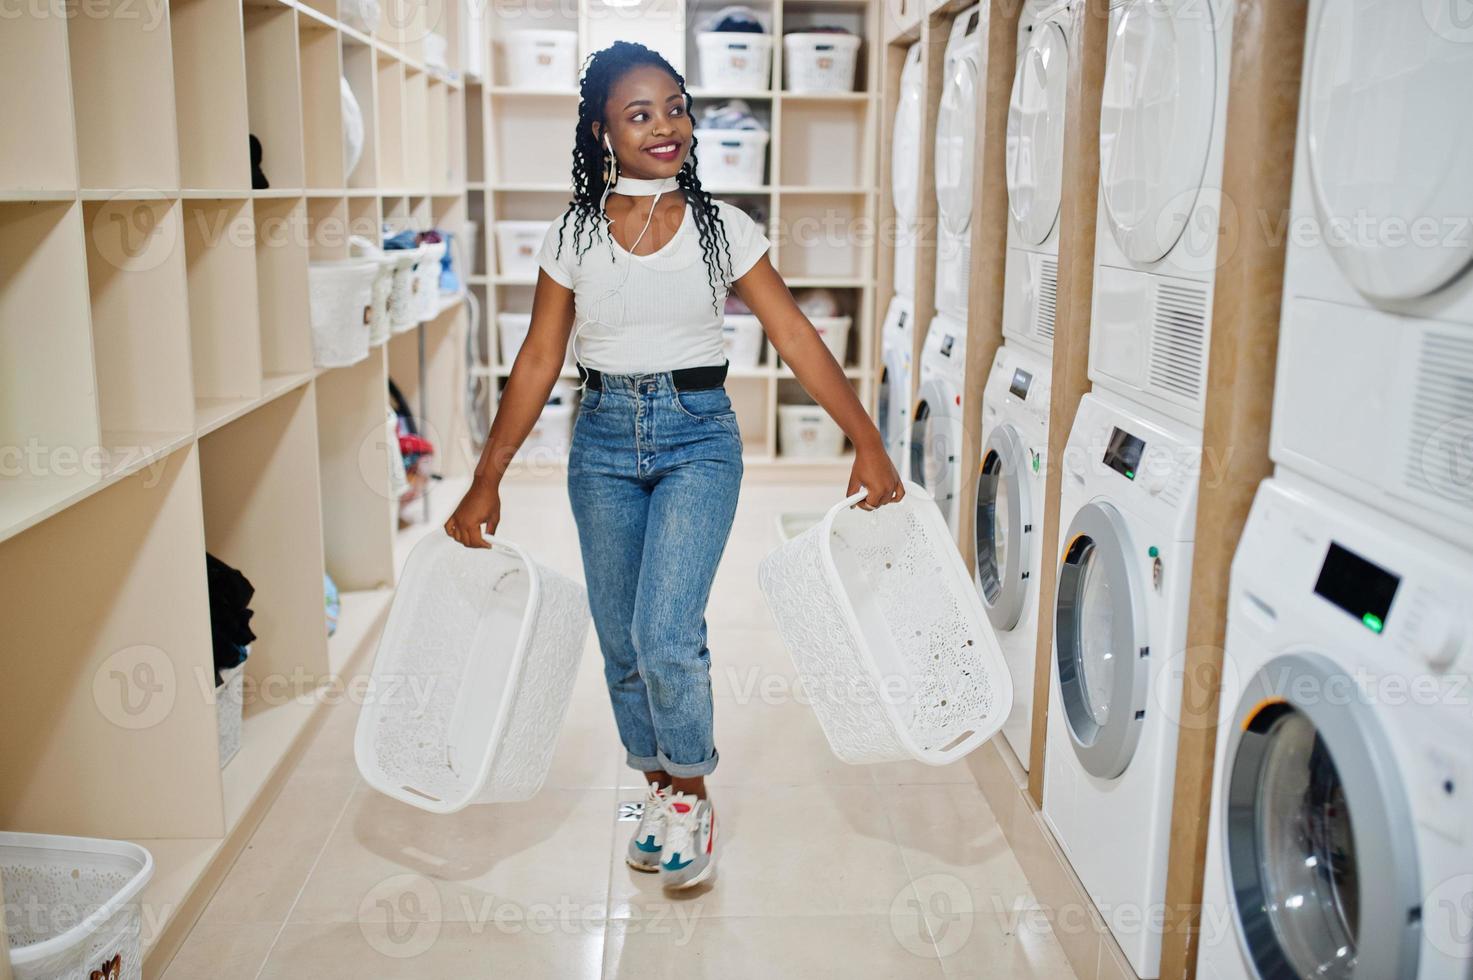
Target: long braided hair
point(590, 162)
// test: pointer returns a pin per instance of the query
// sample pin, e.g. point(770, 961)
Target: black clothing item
point(230, 614)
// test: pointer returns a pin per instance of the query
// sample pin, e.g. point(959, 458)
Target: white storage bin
point(341, 295)
point(807, 431)
point(513, 328)
point(427, 280)
point(735, 61)
point(379, 326)
point(541, 59)
point(472, 677)
point(517, 244)
point(403, 310)
point(229, 711)
point(361, 15)
point(436, 51)
point(552, 434)
point(76, 904)
point(731, 158)
point(820, 62)
point(835, 333)
point(742, 336)
point(888, 633)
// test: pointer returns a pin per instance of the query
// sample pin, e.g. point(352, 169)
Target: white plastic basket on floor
point(807, 431)
point(731, 158)
point(341, 300)
point(735, 61)
point(403, 311)
point(741, 335)
point(888, 633)
point(472, 677)
point(76, 903)
point(820, 62)
point(541, 59)
point(427, 280)
point(517, 243)
point(229, 711)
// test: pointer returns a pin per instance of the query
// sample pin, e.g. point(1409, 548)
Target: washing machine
point(1009, 508)
point(1035, 171)
point(1374, 393)
point(1128, 510)
point(1162, 120)
point(893, 411)
point(1340, 842)
point(905, 182)
point(936, 421)
point(956, 152)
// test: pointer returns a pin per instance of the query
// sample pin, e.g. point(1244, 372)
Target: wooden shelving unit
point(161, 399)
point(819, 195)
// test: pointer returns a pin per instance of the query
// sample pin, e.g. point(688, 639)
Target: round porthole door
point(1035, 149)
point(904, 176)
point(1320, 855)
point(892, 402)
point(1390, 139)
point(1004, 527)
point(935, 445)
point(956, 146)
point(1100, 641)
point(1156, 122)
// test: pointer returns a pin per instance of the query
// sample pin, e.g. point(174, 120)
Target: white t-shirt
point(639, 314)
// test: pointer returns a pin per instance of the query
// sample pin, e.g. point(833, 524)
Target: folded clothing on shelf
point(230, 614)
point(738, 19)
point(732, 114)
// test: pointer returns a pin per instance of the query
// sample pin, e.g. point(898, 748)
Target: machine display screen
point(1359, 587)
point(1021, 380)
point(1123, 454)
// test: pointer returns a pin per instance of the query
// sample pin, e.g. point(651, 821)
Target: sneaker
point(690, 841)
point(649, 836)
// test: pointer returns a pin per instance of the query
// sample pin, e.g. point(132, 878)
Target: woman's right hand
point(480, 505)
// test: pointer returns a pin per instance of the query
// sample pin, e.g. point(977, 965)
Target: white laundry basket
point(541, 59)
point(741, 335)
point(427, 280)
point(341, 302)
point(402, 307)
point(229, 711)
point(517, 244)
point(731, 158)
point(888, 633)
point(820, 62)
point(472, 677)
point(735, 61)
point(808, 432)
point(379, 325)
point(76, 903)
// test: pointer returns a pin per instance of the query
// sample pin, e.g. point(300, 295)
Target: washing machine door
point(1036, 133)
point(1156, 122)
point(1321, 860)
point(956, 144)
point(905, 161)
point(1004, 526)
point(935, 445)
point(1100, 640)
point(892, 402)
point(1390, 137)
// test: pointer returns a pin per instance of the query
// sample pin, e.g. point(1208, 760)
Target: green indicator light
point(1373, 622)
point(1153, 551)
point(1130, 474)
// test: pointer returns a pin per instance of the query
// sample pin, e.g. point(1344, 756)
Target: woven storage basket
point(229, 711)
point(403, 309)
point(383, 284)
point(427, 280)
point(77, 906)
point(342, 305)
point(888, 633)
point(472, 678)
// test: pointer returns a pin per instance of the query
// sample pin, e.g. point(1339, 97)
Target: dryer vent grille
point(1440, 450)
point(1179, 340)
point(1048, 300)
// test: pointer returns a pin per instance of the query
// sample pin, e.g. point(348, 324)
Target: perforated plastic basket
point(75, 906)
point(472, 678)
point(888, 633)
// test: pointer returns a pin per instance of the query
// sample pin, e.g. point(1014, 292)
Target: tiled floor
point(827, 870)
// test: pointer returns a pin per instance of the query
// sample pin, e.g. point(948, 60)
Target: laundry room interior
point(1032, 440)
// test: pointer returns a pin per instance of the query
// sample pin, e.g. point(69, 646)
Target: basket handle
point(910, 488)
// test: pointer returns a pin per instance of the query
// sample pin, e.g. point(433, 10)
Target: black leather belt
point(684, 379)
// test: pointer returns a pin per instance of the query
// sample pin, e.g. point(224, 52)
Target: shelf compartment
point(262, 515)
point(281, 285)
point(533, 121)
point(328, 228)
point(122, 88)
point(33, 60)
point(124, 691)
point(390, 112)
point(444, 353)
point(820, 236)
point(210, 94)
point(48, 394)
point(455, 118)
point(417, 130)
point(273, 99)
point(475, 140)
point(225, 338)
point(140, 321)
point(322, 104)
point(823, 144)
point(359, 516)
point(751, 399)
point(358, 69)
point(437, 135)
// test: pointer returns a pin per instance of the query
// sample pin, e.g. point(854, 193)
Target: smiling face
point(648, 123)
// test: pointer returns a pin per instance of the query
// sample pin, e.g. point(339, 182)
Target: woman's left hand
point(874, 471)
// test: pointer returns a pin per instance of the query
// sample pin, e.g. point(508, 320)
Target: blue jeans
point(653, 477)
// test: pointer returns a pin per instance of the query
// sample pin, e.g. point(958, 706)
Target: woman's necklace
point(638, 187)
